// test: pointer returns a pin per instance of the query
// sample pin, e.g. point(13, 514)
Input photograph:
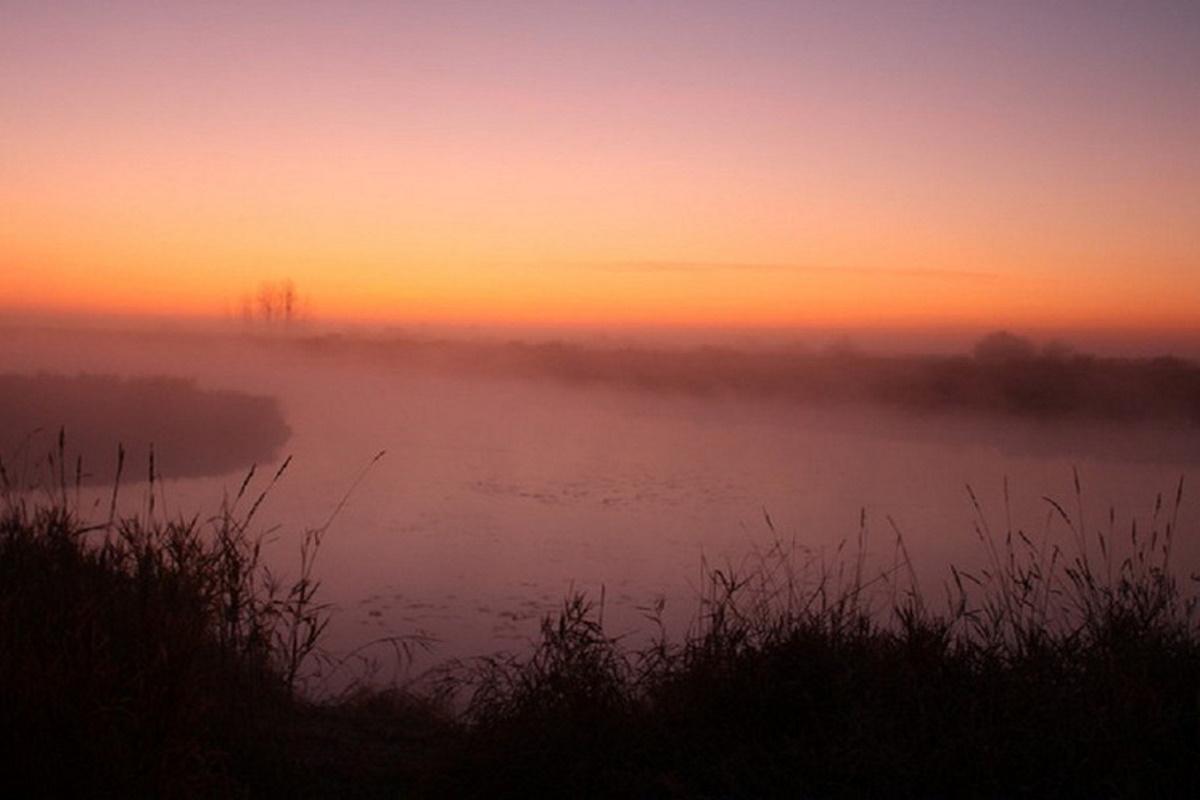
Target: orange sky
point(696, 164)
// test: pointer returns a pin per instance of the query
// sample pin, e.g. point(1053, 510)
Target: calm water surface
point(498, 497)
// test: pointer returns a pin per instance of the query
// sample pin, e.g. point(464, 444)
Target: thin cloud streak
point(713, 267)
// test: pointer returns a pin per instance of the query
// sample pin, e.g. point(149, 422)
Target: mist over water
point(504, 489)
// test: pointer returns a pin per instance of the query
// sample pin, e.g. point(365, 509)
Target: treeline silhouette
point(193, 431)
point(1005, 374)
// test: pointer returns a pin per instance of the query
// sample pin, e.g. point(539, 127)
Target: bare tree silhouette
point(275, 303)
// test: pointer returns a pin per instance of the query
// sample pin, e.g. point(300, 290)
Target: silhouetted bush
point(143, 658)
point(1003, 347)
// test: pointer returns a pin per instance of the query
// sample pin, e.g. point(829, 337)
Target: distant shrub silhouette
point(1003, 347)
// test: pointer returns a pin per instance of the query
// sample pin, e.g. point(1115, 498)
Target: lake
point(499, 496)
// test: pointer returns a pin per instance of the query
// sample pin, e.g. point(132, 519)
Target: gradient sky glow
point(693, 163)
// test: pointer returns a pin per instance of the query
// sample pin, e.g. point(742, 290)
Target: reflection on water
point(499, 495)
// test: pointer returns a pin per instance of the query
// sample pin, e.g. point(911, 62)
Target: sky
point(613, 163)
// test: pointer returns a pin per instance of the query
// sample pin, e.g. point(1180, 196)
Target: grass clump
point(1043, 675)
point(149, 656)
point(155, 657)
point(135, 656)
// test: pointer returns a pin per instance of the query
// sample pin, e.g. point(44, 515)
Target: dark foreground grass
point(158, 658)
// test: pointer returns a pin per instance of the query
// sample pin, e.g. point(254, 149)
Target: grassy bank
point(151, 657)
point(213, 432)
